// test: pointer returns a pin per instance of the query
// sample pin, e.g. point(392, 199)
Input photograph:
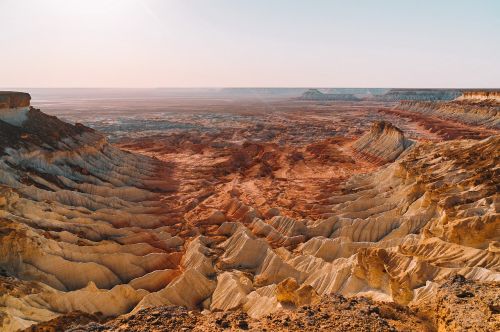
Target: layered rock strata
point(481, 95)
point(485, 114)
point(458, 305)
point(383, 143)
point(10, 99)
point(14, 107)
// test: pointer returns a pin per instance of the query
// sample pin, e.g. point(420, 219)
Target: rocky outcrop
point(10, 99)
point(457, 305)
point(14, 107)
point(383, 143)
point(460, 304)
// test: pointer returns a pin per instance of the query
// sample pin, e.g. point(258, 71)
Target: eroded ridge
point(383, 143)
point(474, 114)
point(86, 226)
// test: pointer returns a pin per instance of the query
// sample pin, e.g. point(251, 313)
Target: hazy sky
point(223, 43)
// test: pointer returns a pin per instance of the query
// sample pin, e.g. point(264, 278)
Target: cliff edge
point(11, 99)
point(480, 95)
point(14, 107)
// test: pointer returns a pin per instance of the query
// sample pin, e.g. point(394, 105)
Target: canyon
point(207, 214)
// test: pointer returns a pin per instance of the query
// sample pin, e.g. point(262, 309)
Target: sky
point(252, 43)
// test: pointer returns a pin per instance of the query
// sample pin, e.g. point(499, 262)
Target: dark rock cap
point(12, 99)
point(380, 126)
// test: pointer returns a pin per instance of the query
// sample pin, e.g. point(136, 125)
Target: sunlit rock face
point(76, 211)
point(9, 99)
point(85, 226)
point(481, 95)
point(469, 111)
point(14, 107)
point(382, 143)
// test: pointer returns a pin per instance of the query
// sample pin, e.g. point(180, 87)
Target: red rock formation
point(10, 99)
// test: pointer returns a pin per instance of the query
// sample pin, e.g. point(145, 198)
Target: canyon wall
point(14, 107)
point(467, 111)
point(481, 95)
point(9, 99)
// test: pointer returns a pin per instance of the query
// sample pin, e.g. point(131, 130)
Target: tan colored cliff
point(475, 112)
point(11, 99)
point(480, 95)
point(14, 107)
point(383, 143)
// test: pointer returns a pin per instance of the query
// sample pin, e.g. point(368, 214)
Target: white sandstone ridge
point(14, 107)
point(480, 95)
point(382, 144)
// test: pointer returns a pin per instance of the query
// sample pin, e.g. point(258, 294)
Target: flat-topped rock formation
point(383, 143)
point(315, 94)
point(14, 107)
point(481, 95)
point(11, 99)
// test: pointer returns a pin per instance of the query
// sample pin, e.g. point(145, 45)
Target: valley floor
point(283, 215)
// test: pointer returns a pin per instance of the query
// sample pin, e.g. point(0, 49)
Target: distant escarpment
point(315, 94)
point(383, 143)
point(419, 94)
point(476, 112)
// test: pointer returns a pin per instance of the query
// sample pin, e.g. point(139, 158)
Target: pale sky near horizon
point(259, 43)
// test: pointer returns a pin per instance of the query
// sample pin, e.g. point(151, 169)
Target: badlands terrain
point(367, 211)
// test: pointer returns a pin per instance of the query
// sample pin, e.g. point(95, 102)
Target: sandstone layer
point(458, 305)
point(383, 143)
point(10, 99)
point(480, 95)
point(476, 112)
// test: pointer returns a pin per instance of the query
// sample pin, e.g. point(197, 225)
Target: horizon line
point(251, 87)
